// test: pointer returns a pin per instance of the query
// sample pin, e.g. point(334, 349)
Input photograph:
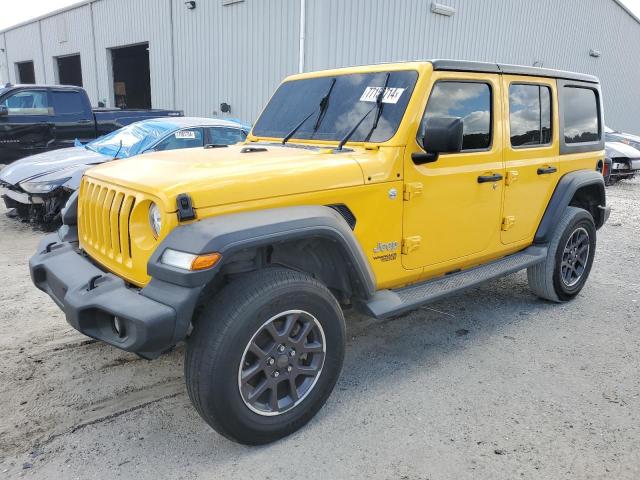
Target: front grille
point(103, 221)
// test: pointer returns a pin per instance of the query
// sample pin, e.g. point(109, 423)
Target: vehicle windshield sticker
point(391, 95)
point(186, 134)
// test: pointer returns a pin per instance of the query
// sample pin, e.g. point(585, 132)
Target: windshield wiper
point(118, 151)
point(377, 106)
point(324, 103)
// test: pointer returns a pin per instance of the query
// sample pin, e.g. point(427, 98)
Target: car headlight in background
point(155, 219)
point(42, 187)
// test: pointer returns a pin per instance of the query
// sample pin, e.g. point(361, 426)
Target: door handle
point(84, 122)
point(547, 170)
point(496, 177)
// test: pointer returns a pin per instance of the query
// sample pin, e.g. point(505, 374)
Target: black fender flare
point(562, 196)
point(227, 234)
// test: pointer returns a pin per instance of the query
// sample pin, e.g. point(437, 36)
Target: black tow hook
point(47, 249)
point(92, 282)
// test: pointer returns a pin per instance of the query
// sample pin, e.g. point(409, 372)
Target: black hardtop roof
point(486, 67)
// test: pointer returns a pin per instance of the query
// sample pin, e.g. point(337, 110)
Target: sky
point(19, 11)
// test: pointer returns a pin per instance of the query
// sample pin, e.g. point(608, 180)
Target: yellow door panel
point(531, 150)
point(446, 206)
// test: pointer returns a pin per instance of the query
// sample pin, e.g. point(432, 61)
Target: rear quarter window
point(67, 103)
point(581, 119)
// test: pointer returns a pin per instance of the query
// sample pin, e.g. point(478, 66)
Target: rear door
point(531, 152)
point(26, 129)
point(73, 117)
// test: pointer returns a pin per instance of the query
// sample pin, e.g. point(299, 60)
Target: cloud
point(477, 122)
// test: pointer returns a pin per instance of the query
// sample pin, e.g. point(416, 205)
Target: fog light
point(118, 327)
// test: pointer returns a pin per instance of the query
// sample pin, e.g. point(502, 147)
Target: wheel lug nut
point(271, 361)
point(276, 374)
point(292, 353)
point(281, 348)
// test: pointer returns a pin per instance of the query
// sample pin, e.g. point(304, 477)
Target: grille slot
point(103, 221)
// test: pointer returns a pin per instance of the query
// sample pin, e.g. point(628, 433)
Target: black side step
point(387, 303)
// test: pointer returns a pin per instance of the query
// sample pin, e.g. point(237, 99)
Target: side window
point(189, 138)
point(67, 103)
point(529, 115)
point(470, 101)
point(581, 120)
point(31, 102)
point(225, 135)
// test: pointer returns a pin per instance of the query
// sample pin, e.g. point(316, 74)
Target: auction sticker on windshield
point(186, 134)
point(391, 95)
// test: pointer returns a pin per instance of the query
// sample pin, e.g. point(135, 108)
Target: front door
point(453, 206)
point(530, 154)
point(26, 128)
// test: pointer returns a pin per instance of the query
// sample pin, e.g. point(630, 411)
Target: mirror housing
point(4, 111)
point(441, 135)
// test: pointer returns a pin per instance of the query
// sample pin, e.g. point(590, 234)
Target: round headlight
point(155, 219)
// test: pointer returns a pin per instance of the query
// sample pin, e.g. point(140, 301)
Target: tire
point(548, 279)
point(219, 356)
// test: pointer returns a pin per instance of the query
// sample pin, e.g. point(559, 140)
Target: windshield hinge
point(411, 190)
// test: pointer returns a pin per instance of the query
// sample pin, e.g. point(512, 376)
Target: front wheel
point(571, 251)
point(265, 355)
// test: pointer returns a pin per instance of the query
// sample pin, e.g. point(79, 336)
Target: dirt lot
point(489, 385)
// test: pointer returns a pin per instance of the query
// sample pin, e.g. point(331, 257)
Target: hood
point(621, 150)
point(218, 176)
point(50, 164)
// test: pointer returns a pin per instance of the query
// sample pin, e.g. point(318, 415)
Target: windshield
point(135, 139)
point(349, 100)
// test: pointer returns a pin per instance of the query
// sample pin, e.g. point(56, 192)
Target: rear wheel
point(571, 251)
point(265, 355)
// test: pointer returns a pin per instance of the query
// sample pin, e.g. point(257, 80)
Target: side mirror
point(441, 135)
point(4, 111)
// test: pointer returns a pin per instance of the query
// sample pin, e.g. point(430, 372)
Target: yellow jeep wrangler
point(379, 188)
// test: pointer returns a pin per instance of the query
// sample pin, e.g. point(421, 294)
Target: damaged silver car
point(36, 188)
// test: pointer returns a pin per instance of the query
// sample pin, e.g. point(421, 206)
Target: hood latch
point(185, 207)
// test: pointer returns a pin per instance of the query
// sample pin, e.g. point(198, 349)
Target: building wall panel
point(70, 33)
point(4, 72)
point(235, 54)
point(545, 32)
point(239, 53)
point(23, 45)
point(120, 23)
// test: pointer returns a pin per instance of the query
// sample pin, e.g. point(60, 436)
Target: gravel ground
point(492, 384)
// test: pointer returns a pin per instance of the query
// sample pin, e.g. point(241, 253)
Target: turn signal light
point(202, 262)
point(189, 261)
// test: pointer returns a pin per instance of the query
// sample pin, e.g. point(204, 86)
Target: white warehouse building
point(225, 57)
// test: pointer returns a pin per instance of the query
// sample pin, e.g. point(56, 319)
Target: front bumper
point(12, 197)
point(92, 299)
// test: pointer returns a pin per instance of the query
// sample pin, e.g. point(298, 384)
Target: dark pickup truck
point(37, 118)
